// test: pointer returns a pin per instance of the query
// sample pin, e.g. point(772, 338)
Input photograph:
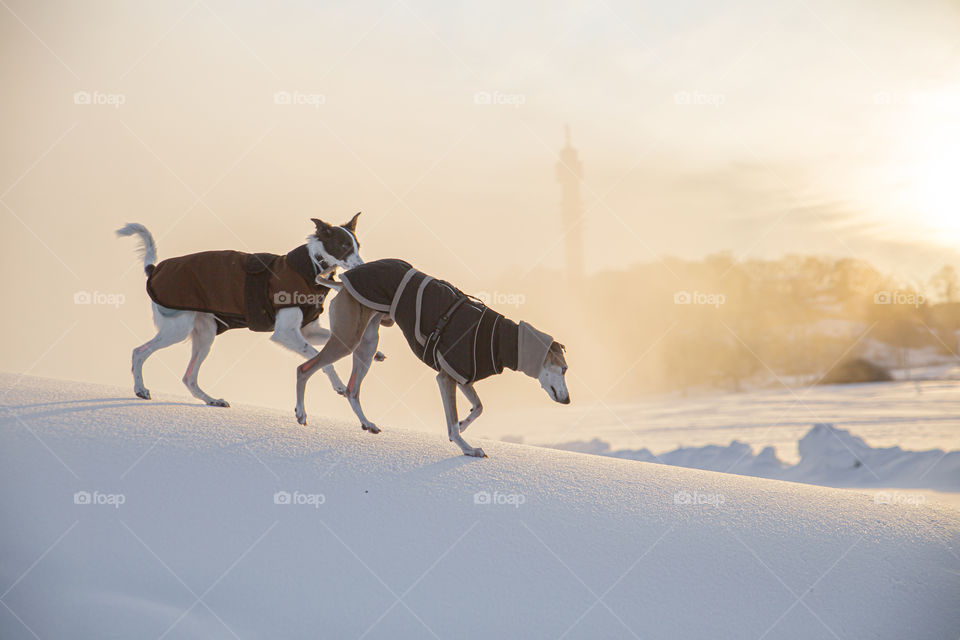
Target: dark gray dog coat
point(448, 330)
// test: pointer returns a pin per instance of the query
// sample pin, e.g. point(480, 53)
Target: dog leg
point(363, 356)
point(288, 333)
point(348, 321)
point(204, 331)
point(475, 410)
point(170, 330)
point(448, 394)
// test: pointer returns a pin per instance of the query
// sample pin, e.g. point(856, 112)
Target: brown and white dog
point(483, 342)
point(328, 248)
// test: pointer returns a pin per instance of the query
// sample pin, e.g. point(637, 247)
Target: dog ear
point(352, 225)
point(322, 227)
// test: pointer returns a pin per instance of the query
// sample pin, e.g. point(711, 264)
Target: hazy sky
point(758, 127)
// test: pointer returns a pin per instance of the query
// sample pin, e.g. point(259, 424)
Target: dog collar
point(319, 264)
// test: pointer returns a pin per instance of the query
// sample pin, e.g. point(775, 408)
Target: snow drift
point(168, 519)
point(828, 456)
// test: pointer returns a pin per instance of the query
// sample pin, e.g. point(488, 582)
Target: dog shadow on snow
point(440, 467)
point(434, 469)
point(62, 407)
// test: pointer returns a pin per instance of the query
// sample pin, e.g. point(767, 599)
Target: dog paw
point(379, 356)
point(301, 416)
point(142, 393)
point(475, 453)
point(372, 428)
point(220, 402)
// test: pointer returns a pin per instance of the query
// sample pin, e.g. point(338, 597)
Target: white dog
point(280, 294)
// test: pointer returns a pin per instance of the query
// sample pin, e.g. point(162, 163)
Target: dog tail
point(148, 248)
point(330, 283)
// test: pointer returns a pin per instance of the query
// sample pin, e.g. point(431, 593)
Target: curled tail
point(330, 283)
point(148, 248)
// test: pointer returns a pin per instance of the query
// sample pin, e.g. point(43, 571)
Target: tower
point(569, 174)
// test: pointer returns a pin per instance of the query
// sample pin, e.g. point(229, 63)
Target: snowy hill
point(167, 519)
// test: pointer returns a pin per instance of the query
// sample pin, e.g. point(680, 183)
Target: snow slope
point(199, 522)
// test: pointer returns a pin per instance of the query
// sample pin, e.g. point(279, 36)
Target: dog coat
point(448, 330)
point(239, 289)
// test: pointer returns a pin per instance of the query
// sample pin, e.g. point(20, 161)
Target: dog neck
point(322, 261)
point(303, 261)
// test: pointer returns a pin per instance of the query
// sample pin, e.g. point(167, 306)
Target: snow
point(189, 534)
point(914, 415)
point(829, 456)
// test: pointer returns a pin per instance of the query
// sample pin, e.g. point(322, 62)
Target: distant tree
point(945, 284)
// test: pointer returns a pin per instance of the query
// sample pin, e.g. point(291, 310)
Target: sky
point(760, 128)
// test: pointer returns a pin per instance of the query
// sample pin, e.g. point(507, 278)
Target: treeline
point(721, 323)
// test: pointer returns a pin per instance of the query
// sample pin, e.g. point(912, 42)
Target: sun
point(926, 161)
point(936, 192)
point(935, 181)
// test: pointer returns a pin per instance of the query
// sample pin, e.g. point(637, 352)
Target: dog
point(202, 295)
point(458, 336)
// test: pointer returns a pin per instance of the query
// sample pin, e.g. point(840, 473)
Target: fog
point(780, 157)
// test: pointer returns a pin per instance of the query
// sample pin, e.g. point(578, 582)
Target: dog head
point(553, 374)
point(335, 246)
